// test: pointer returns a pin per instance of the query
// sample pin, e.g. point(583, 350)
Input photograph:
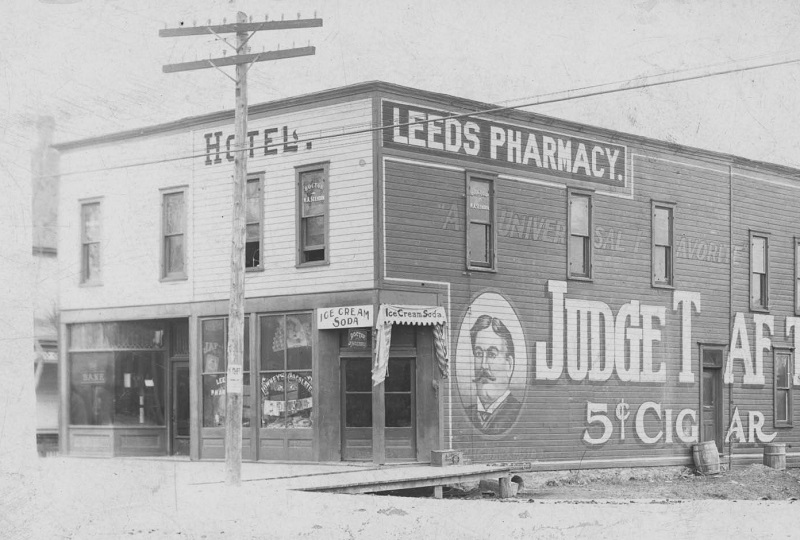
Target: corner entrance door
point(179, 414)
point(356, 409)
point(400, 409)
point(399, 398)
point(711, 396)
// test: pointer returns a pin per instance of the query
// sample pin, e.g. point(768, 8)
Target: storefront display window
point(286, 382)
point(215, 344)
point(116, 378)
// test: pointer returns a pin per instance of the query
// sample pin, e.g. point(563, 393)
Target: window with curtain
point(174, 235)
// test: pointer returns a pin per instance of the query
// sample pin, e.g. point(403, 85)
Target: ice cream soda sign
point(345, 317)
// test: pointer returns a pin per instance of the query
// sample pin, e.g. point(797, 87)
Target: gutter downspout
point(730, 303)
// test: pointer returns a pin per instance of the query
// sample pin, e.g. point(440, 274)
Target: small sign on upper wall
point(345, 317)
point(530, 149)
point(358, 338)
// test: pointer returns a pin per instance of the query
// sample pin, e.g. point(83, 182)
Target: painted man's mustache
point(484, 376)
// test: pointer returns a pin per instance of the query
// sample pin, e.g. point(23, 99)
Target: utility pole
point(243, 62)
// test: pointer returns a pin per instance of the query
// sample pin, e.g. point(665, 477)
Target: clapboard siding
point(131, 211)
point(130, 221)
point(350, 207)
point(425, 240)
point(766, 204)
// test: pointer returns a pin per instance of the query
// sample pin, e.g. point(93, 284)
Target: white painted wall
point(131, 213)
point(350, 206)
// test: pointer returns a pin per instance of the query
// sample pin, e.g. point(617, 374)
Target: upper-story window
point(255, 208)
point(480, 223)
point(782, 387)
point(312, 227)
point(759, 271)
point(90, 242)
point(663, 262)
point(797, 276)
point(174, 234)
point(579, 263)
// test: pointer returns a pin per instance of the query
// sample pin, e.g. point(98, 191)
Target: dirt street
point(750, 482)
point(138, 498)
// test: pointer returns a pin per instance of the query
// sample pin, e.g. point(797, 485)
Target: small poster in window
point(358, 338)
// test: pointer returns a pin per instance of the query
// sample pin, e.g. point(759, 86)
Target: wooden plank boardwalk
point(390, 478)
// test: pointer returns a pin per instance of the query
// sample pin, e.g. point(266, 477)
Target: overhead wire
point(541, 99)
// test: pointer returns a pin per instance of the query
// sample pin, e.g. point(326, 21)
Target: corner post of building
point(63, 390)
point(195, 388)
point(378, 424)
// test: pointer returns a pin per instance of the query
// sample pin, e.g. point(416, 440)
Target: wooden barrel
point(775, 456)
point(706, 457)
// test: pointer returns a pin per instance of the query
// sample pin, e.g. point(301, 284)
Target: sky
point(96, 66)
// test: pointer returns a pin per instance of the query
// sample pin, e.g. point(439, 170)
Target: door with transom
point(711, 395)
point(399, 408)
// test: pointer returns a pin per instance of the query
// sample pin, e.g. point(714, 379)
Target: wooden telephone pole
point(244, 30)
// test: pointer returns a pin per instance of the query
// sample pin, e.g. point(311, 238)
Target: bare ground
point(132, 498)
point(750, 482)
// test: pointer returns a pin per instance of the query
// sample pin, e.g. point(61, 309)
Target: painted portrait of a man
point(490, 374)
point(496, 407)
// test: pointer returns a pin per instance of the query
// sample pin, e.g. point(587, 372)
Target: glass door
point(179, 415)
point(400, 410)
point(356, 385)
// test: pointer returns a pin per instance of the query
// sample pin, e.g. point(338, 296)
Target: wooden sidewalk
point(389, 478)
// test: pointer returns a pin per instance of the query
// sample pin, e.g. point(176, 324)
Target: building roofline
point(368, 88)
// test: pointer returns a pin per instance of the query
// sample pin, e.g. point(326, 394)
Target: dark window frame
point(184, 274)
point(764, 305)
point(776, 390)
point(490, 235)
point(669, 283)
point(247, 366)
point(303, 259)
point(797, 275)
point(261, 372)
point(259, 178)
point(85, 278)
point(588, 240)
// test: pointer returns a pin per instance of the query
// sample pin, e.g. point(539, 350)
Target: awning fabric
point(390, 314)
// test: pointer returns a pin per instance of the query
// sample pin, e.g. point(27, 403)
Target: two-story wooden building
point(424, 275)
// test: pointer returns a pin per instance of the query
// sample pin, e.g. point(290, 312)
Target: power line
point(674, 72)
point(542, 99)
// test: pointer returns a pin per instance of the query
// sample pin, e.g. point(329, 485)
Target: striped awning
point(390, 314)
